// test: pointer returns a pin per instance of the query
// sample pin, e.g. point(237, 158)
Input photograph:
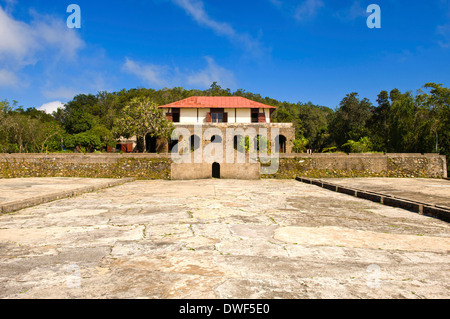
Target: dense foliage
point(398, 122)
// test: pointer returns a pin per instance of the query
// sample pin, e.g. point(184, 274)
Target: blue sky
point(305, 50)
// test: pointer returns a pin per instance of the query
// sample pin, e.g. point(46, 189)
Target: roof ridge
point(217, 102)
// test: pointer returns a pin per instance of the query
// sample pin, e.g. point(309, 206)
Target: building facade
point(224, 114)
point(221, 137)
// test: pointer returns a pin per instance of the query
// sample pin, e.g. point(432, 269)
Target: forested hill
point(409, 122)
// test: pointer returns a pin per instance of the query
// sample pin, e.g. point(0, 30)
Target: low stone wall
point(245, 171)
point(140, 166)
point(361, 165)
point(158, 166)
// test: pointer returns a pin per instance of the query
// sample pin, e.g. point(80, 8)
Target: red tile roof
point(218, 102)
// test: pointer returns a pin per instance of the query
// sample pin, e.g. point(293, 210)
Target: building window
point(176, 115)
point(255, 113)
point(217, 117)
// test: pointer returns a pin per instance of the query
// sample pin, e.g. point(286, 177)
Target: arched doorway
point(280, 144)
point(173, 146)
point(215, 170)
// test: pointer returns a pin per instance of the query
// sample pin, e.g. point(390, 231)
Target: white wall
point(244, 116)
point(267, 112)
point(231, 116)
point(202, 115)
point(189, 116)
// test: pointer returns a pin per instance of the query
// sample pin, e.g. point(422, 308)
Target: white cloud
point(53, 34)
point(51, 107)
point(276, 3)
point(8, 79)
point(308, 9)
point(356, 10)
point(195, 8)
point(45, 37)
point(60, 93)
point(212, 73)
point(151, 74)
point(9, 4)
point(166, 76)
point(444, 32)
point(197, 11)
point(15, 38)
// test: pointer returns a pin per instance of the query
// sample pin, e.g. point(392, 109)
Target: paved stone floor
point(428, 190)
point(17, 189)
point(221, 239)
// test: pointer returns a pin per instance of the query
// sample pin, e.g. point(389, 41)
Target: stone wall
point(284, 129)
point(361, 165)
point(158, 166)
point(245, 171)
point(92, 165)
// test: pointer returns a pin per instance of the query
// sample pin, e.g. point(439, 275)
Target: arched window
point(216, 139)
point(239, 143)
point(258, 143)
point(195, 142)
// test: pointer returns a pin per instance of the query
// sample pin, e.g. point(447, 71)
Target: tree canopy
point(398, 122)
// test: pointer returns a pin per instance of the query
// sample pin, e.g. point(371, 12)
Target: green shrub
point(364, 145)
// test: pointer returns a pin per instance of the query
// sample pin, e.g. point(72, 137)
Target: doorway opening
point(151, 144)
point(280, 144)
point(216, 170)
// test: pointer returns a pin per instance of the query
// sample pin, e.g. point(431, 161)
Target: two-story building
point(222, 137)
point(222, 112)
point(218, 109)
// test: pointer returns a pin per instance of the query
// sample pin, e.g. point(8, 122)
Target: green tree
point(142, 117)
point(216, 90)
point(85, 140)
point(300, 145)
point(437, 103)
point(364, 145)
point(380, 123)
point(105, 135)
point(79, 115)
point(350, 122)
point(78, 121)
point(404, 131)
point(314, 125)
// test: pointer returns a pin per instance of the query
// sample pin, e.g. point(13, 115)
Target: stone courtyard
point(219, 239)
